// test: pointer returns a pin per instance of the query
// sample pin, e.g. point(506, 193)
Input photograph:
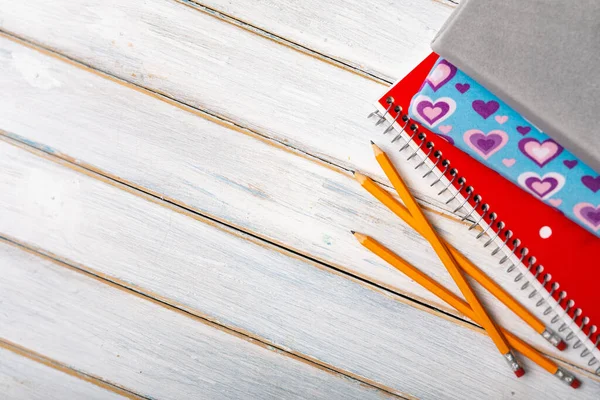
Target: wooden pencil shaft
point(471, 269)
point(441, 250)
point(453, 300)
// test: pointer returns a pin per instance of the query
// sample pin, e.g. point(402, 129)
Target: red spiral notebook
point(566, 288)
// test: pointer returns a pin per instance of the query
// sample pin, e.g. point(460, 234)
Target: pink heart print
point(485, 144)
point(509, 162)
point(555, 202)
point(445, 128)
point(543, 187)
point(501, 119)
point(440, 75)
point(433, 112)
point(540, 152)
point(588, 214)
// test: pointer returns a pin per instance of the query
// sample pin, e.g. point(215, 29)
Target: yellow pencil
point(447, 259)
point(436, 288)
point(471, 269)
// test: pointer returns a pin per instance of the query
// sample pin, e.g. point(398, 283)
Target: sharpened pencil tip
point(372, 142)
point(376, 149)
point(360, 237)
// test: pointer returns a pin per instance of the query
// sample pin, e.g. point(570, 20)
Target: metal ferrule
point(552, 337)
point(565, 376)
point(512, 361)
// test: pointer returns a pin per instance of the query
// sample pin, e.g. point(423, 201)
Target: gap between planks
point(373, 284)
point(247, 26)
point(218, 119)
point(262, 240)
point(238, 128)
point(42, 359)
point(292, 44)
point(347, 65)
point(170, 305)
point(173, 204)
point(191, 312)
point(232, 125)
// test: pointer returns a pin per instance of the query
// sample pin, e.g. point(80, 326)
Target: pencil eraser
point(576, 383)
point(519, 372)
point(561, 345)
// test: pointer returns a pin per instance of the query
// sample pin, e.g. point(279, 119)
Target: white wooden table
point(176, 202)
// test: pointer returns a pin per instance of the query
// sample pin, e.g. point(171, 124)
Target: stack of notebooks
point(503, 114)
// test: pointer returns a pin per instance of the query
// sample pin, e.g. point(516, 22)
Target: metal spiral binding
point(559, 307)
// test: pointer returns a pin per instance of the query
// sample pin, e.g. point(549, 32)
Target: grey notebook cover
point(541, 57)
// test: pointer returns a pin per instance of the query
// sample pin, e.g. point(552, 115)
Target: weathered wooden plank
point(382, 38)
point(196, 162)
point(226, 174)
point(143, 346)
point(219, 274)
point(22, 378)
point(198, 59)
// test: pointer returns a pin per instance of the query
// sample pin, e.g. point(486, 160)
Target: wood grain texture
point(200, 60)
point(232, 280)
point(286, 198)
point(383, 38)
point(24, 379)
point(269, 90)
point(209, 167)
point(138, 344)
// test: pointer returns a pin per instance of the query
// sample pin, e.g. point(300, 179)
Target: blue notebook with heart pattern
point(466, 114)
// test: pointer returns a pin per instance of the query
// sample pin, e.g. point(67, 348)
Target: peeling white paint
point(35, 72)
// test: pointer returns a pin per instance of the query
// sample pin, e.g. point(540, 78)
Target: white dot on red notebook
point(545, 232)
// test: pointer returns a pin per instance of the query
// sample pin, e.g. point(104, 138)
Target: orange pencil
point(447, 259)
point(471, 269)
point(436, 288)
